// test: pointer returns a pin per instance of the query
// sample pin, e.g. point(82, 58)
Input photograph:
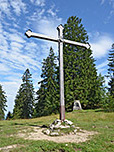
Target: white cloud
point(102, 64)
point(3, 68)
point(102, 67)
point(38, 2)
point(52, 11)
point(18, 6)
point(101, 46)
point(45, 24)
point(48, 26)
point(37, 15)
point(16, 45)
point(1, 28)
point(16, 51)
point(5, 7)
point(16, 37)
point(3, 43)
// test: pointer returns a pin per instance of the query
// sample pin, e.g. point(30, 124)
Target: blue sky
point(43, 16)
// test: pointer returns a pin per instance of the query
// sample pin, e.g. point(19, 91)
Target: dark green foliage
point(47, 94)
point(24, 100)
point(101, 90)
point(109, 100)
point(81, 81)
point(9, 116)
point(108, 103)
point(2, 103)
point(111, 71)
point(80, 75)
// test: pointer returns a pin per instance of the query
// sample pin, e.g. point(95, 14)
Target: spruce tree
point(47, 94)
point(24, 101)
point(101, 90)
point(2, 103)
point(81, 81)
point(109, 101)
point(111, 71)
point(9, 116)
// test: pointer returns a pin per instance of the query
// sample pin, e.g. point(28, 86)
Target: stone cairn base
point(58, 128)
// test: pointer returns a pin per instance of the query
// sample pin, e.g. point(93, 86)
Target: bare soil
point(10, 147)
point(36, 134)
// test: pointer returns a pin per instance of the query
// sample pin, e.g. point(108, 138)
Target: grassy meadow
point(91, 120)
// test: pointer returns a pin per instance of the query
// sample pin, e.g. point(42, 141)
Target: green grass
point(92, 120)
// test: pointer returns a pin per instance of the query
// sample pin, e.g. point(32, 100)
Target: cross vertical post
point(61, 73)
point(60, 41)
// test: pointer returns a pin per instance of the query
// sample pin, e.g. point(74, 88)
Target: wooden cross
point(60, 41)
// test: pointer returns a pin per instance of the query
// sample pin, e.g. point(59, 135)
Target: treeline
point(80, 75)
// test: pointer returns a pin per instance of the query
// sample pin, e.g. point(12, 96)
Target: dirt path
point(37, 134)
point(10, 147)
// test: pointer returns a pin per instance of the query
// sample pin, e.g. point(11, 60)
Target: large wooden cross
point(60, 41)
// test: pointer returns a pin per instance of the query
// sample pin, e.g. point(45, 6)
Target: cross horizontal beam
point(87, 46)
point(60, 41)
point(29, 34)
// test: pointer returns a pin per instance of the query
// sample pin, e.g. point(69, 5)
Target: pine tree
point(111, 71)
point(81, 81)
point(2, 103)
point(47, 94)
point(24, 102)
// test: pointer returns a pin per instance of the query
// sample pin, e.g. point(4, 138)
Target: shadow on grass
point(92, 110)
point(103, 110)
point(100, 110)
point(32, 125)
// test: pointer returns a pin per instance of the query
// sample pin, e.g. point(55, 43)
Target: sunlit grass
point(92, 120)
